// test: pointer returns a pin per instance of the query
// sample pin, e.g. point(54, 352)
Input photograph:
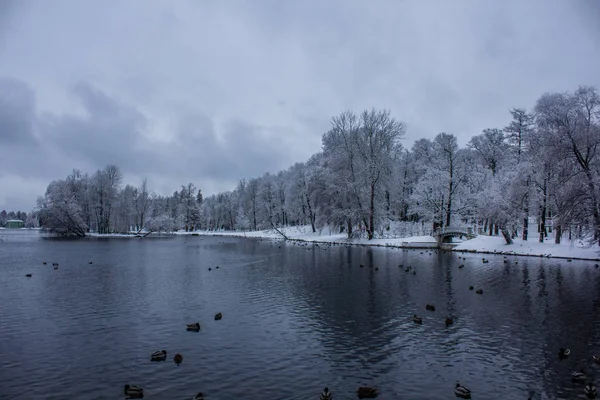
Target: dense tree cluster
point(99, 203)
point(542, 166)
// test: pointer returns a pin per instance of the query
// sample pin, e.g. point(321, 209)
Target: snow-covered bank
point(113, 235)
point(481, 244)
point(325, 235)
point(496, 244)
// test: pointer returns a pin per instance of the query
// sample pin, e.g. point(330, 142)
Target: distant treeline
point(542, 165)
point(29, 219)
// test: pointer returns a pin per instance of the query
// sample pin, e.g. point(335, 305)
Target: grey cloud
point(17, 113)
point(108, 134)
point(200, 152)
point(111, 132)
point(211, 92)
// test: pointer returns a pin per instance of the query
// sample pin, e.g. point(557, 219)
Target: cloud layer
point(211, 92)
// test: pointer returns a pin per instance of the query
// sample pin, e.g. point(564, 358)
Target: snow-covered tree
point(60, 210)
point(570, 124)
point(447, 168)
point(105, 186)
point(31, 221)
point(490, 147)
point(361, 153)
point(518, 131)
point(142, 203)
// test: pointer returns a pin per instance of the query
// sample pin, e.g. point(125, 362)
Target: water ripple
point(294, 321)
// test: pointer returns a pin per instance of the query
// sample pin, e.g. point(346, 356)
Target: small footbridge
point(445, 235)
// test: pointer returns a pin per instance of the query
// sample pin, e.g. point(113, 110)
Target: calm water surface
point(295, 319)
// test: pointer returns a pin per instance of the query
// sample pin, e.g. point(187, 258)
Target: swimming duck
point(449, 321)
point(159, 355)
point(178, 358)
point(199, 396)
point(365, 392)
point(417, 320)
point(430, 307)
point(578, 376)
point(471, 288)
point(218, 316)
point(44, 263)
point(134, 392)
point(326, 395)
point(461, 391)
point(596, 359)
point(590, 391)
point(209, 268)
point(28, 275)
point(479, 291)
point(461, 266)
point(193, 327)
point(55, 264)
point(564, 353)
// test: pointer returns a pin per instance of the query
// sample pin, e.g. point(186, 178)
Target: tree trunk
point(506, 235)
point(491, 227)
point(496, 229)
point(595, 211)
point(254, 213)
point(558, 234)
point(525, 206)
point(542, 224)
point(449, 204)
point(543, 211)
point(349, 226)
point(371, 227)
point(311, 215)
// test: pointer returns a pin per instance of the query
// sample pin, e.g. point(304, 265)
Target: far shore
point(569, 250)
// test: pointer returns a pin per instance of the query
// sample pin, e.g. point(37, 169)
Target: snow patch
point(496, 244)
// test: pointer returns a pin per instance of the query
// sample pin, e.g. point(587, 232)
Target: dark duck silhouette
point(366, 392)
point(195, 327)
point(326, 395)
point(134, 392)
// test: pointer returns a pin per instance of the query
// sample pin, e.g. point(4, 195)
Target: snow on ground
point(496, 244)
point(481, 244)
point(324, 235)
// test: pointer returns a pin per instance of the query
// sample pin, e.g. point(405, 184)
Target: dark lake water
point(295, 319)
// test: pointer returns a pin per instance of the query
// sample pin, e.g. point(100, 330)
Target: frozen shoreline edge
point(408, 245)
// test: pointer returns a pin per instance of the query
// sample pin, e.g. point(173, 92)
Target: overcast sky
point(213, 91)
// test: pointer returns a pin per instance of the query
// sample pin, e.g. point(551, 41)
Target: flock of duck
point(137, 392)
point(590, 390)
point(363, 392)
point(366, 392)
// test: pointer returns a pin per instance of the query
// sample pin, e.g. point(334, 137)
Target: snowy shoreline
point(482, 244)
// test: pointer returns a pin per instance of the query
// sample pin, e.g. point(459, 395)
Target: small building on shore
point(14, 224)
